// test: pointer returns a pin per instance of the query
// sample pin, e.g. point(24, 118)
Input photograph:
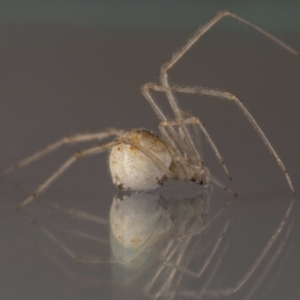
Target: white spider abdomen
point(131, 168)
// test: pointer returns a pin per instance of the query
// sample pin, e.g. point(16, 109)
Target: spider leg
point(271, 262)
point(175, 257)
point(167, 254)
point(198, 232)
point(169, 288)
point(66, 249)
point(146, 92)
point(148, 153)
point(79, 214)
point(237, 101)
point(195, 131)
point(88, 259)
point(232, 290)
point(208, 259)
point(266, 248)
point(64, 141)
point(193, 120)
point(241, 282)
point(171, 135)
point(181, 255)
point(196, 36)
point(218, 183)
point(64, 167)
point(202, 30)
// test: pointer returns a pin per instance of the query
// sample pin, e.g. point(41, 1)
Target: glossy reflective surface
point(60, 81)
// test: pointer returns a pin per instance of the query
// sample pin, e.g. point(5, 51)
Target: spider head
point(199, 176)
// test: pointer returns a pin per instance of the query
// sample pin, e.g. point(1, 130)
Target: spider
point(139, 159)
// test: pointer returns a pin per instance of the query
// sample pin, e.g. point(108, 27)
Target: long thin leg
point(193, 294)
point(169, 251)
point(208, 259)
point(169, 279)
point(266, 248)
point(270, 264)
point(261, 256)
point(237, 101)
point(203, 29)
point(193, 120)
point(80, 214)
point(196, 36)
point(195, 132)
point(198, 232)
point(70, 252)
point(215, 270)
point(64, 141)
point(83, 235)
point(89, 259)
point(232, 290)
point(189, 149)
point(167, 172)
point(64, 167)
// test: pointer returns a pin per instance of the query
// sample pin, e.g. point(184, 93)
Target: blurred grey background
point(76, 66)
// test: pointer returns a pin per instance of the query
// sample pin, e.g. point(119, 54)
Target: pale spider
point(140, 160)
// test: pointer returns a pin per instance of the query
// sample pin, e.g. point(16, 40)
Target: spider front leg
point(237, 101)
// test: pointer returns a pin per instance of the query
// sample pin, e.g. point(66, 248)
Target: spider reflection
point(164, 245)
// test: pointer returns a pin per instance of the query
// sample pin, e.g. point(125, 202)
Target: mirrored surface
point(82, 238)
